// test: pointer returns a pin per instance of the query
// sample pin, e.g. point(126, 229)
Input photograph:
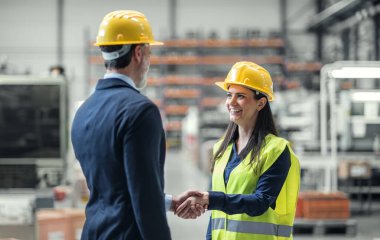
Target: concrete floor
point(182, 174)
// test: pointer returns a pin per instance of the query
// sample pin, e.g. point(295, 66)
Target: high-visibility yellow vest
point(274, 223)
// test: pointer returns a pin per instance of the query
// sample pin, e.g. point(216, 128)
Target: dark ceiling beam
point(377, 36)
point(173, 19)
point(337, 12)
point(284, 23)
point(319, 33)
point(60, 23)
point(360, 15)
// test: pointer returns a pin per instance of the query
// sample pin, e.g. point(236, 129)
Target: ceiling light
point(356, 72)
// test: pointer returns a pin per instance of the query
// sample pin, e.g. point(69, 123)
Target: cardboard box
point(77, 219)
point(53, 224)
point(60, 224)
point(354, 170)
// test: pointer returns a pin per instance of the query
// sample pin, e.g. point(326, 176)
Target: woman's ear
point(261, 103)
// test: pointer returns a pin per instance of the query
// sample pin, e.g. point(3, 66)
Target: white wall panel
point(29, 27)
point(222, 15)
point(28, 34)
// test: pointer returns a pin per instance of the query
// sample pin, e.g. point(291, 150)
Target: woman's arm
point(255, 204)
point(268, 188)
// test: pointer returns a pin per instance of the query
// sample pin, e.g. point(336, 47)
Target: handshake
point(190, 204)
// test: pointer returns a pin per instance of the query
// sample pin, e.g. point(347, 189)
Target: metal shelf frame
point(330, 73)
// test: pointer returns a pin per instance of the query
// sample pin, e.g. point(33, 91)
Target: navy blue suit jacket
point(119, 140)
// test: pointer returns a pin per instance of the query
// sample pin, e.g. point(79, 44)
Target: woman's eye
point(229, 95)
point(241, 96)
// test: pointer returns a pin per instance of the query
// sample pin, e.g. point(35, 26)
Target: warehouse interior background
point(324, 58)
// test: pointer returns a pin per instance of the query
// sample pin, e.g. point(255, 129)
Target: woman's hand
point(193, 204)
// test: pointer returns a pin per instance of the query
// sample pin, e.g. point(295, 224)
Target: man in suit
point(119, 140)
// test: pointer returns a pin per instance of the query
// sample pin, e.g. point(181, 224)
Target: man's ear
point(261, 103)
point(138, 53)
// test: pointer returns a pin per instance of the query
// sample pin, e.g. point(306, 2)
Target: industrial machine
point(349, 122)
point(33, 146)
point(33, 132)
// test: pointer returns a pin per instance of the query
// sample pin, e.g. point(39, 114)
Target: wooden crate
point(317, 205)
point(299, 209)
point(346, 227)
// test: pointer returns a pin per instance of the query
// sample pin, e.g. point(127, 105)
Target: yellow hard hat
point(125, 27)
point(250, 75)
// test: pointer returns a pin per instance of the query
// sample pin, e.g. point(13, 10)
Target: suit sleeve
point(144, 171)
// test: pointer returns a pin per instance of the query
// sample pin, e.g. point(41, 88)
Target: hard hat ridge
point(123, 27)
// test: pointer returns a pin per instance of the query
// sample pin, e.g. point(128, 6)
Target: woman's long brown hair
point(264, 125)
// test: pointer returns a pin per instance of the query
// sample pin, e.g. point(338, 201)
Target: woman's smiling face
point(241, 105)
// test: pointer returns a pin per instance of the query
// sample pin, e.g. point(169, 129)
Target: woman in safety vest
point(255, 175)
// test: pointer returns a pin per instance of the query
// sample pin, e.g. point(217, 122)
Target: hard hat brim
point(156, 43)
point(225, 86)
point(222, 85)
point(153, 43)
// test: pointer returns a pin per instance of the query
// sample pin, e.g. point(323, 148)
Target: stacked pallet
point(323, 213)
point(318, 205)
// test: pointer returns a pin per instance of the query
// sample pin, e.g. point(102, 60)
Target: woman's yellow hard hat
point(125, 27)
point(250, 75)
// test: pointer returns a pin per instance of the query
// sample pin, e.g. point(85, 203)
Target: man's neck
point(120, 71)
point(125, 71)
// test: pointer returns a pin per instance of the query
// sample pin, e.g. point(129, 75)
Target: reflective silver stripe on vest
point(218, 223)
point(253, 227)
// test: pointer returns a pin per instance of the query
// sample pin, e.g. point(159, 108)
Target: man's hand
point(193, 204)
point(196, 211)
